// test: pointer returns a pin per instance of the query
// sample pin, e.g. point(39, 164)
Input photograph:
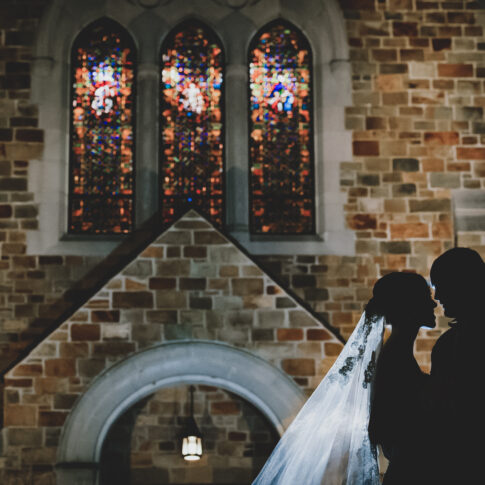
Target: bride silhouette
point(367, 398)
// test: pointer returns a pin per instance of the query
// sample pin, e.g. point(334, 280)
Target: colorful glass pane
point(192, 164)
point(102, 165)
point(281, 155)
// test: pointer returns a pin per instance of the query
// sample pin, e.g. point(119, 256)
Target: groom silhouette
point(458, 369)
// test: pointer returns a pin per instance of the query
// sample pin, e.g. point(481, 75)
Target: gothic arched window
point(101, 191)
point(192, 159)
point(280, 132)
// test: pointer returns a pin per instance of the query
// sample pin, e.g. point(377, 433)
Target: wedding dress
point(328, 443)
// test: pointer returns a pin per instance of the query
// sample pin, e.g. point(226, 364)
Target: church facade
point(200, 194)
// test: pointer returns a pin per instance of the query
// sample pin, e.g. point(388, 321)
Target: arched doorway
point(117, 389)
point(144, 445)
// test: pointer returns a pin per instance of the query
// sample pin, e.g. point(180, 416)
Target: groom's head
point(458, 277)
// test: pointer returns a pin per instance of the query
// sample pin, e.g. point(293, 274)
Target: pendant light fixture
point(192, 441)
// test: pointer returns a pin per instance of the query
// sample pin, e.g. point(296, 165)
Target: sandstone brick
point(9, 382)
point(405, 164)
point(430, 205)
point(114, 348)
point(162, 283)
point(395, 247)
point(139, 269)
point(455, 70)
point(318, 334)
point(60, 367)
point(24, 437)
point(200, 303)
point(28, 370)
point(173, 268)
point(73, 349)
point(445, 180)
point(162, 316)
point(197, 252)
point(332, 349)
point(193, 283)
point(409, 231)
point(226, 408)
point(442, 138)
point(209, 237)
point(64, 401)
point(175, 237)
point(20, 415)
point(299, 367)
point(465, 153)
point(247, 286)
point(52, 418)
point(285, 334)
point(171, 299)
point(91, 367)
point(362, 221)
point(271, 318)
point(406, 29)
point(365, 148)
point(442, 230)
point(105, 316)
point(85, 332)
point(155, 252)
point(132, 299)
point(262, 334)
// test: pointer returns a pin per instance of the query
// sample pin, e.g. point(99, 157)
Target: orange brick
point(455, 70)
point(290, 334)
point(463, 153)
point(442, 230)
point(409, 230)
point(332, 349)
point(152, 252)
point(432, 165)
point(442, 138)
point(317, 334)
point(366, 148)
point(28, 370)
point(299, 367)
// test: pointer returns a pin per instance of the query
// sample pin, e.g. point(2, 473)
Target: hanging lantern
point(192, 441)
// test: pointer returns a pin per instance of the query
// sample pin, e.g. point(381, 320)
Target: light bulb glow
point(192, 448)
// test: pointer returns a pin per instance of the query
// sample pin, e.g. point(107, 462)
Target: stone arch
point(322, 23)
point(191, 361)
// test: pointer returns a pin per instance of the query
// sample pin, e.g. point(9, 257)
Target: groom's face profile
point(448, 298)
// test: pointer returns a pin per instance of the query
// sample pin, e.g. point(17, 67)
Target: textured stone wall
point(144, 446)
point(191, 283)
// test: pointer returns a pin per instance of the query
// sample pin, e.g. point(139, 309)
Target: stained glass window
point(102, 110)
point(280, 132)
point(192, 164)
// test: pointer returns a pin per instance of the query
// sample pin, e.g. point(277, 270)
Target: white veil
point(328, 443)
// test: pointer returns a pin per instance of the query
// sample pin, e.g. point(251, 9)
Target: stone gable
point(190, 283)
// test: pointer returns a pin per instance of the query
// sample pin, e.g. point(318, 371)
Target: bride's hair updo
point(393, 294)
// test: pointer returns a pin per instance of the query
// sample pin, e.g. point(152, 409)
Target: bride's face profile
point(425, 316)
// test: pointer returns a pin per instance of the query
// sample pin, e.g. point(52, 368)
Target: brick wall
point(237, 440)
point(191, 282)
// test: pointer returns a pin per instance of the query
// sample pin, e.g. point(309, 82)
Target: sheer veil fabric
point(328, 443)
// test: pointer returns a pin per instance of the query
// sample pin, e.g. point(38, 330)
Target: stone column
point(147, 142)
point(237, 163)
